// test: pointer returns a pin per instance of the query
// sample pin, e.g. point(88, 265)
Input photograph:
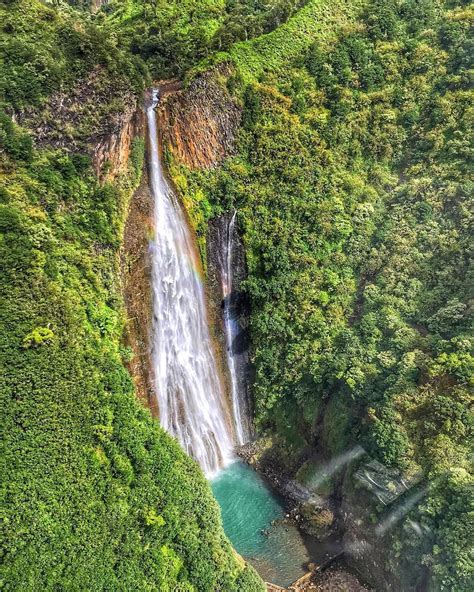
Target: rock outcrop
point(374, 500)
point(93, 117)
point(136, 281)
point(198, 124)
point(112, 152)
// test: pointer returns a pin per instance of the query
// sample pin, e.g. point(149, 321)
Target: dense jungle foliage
point(95, 496)
point(353, 183)
point(172, 36)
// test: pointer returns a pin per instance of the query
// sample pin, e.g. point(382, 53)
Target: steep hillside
point(172, 36)
point(340, 131)
point(350, 173)
point(95, 496)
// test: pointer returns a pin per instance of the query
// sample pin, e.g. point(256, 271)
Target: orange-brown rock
point(111, 154)
point(198, 124)
point(136, 284)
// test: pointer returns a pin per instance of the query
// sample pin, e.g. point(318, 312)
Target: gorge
point(192, 404)
point(274, 252)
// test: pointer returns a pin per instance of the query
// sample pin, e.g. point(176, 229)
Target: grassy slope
point(95, 496)
point(173, 36)
point(318, 19)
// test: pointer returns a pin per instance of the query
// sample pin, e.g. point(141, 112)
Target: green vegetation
point(95, 496)
point(45, 49)
point(351, 182)
point(172, 36)
point(277, 50)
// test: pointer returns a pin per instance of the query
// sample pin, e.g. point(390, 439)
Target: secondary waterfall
point(232, 331)
point(190, 395)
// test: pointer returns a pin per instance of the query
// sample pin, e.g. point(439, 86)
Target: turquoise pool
point(252, 513)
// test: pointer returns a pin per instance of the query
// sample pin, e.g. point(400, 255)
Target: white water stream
point(190, 395)
point(232, 330)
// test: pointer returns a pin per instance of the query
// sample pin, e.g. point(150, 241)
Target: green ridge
point(319, 19)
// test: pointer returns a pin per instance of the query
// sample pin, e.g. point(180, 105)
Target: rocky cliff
point(198, 126)
point(239, 306)
point(93, 117)
point(199, 123)
point(136, 283)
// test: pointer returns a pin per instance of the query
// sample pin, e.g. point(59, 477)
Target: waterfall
point(232, 331)
point(190, 395)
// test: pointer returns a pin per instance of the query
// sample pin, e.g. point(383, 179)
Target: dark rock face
point(313, 513)
point(374, 501)
point(92, 117)
point(336, 579)
point(238, 306)
point(136, 283)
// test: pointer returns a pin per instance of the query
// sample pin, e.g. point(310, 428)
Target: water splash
point(188, 389)
point(232, 330)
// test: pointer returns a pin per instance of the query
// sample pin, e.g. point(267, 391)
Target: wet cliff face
point(239, 305)
point(136, 281)
point(198, 124)
point(92, 117)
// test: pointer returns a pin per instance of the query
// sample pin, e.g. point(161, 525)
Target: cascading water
point(187, 385)
point(232, 330)
point(190, 395)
